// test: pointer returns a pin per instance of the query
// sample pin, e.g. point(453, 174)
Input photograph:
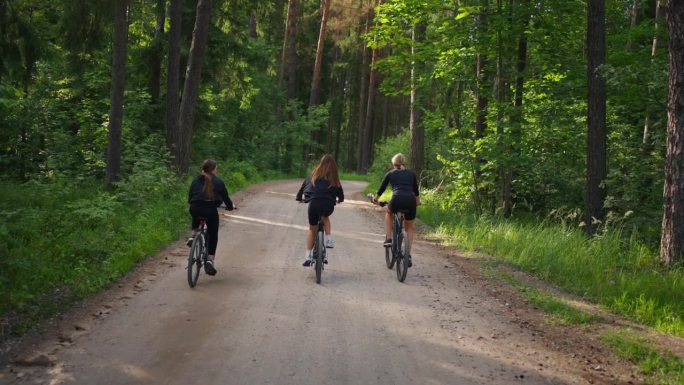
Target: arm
point(340, 195)
point(383, 186)
point(415, 185)
point(223, 192)
point(300, 193)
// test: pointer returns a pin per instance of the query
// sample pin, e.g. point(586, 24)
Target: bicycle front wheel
point(320, 255)
point(195, 258)
point(403, 257)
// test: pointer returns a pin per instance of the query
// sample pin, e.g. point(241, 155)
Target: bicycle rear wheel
point(402, 256)
point(319, 250)
point(195, 258)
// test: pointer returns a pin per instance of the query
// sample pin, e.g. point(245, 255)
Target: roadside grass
point(623, 275)
point(560, 311)
point(662, 368)
point(64, 240)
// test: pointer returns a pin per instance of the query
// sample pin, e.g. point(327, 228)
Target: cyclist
point(405, 197)
point(207, 191)
point(321, 189)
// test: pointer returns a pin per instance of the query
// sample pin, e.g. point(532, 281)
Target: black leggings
point(209, 212)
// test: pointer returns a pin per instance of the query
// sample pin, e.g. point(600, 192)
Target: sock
point(329, 236)
point(308, 253)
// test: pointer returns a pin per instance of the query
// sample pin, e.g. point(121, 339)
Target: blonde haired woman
point(322, 189)
point(405, 196)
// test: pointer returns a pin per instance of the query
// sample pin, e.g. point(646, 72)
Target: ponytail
point(207, 167)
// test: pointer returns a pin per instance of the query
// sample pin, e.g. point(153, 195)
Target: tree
point(417, 147)
point(366, 145)
point(315, 97)
point(173, 136)
point(193, 79)
point(672, 238)
point(157, 50)
point(597, 169)
point(117, 95)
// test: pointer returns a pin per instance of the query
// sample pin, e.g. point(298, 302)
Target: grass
point(560, 311)
point(662, 368)
point(621, 275)
point(62, 241)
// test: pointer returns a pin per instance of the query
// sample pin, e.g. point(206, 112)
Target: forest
point(530, 123)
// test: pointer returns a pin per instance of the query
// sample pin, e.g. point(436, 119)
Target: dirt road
point(264, 320)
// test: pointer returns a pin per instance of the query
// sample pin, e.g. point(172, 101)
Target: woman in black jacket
point(207, 192)
point(322, 189)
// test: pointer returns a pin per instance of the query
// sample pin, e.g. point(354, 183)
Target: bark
point(172, 79)
point(292, 50)
point(157, 53)
point(654, 47)
point(252, 26)
point(597, 169)
point(361, 118)
point(117, 95)
point(315, 97)
point(367, 147)
point(193, 81)
point(417, 142)
point(672, 238)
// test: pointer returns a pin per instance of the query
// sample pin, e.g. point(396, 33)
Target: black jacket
point(321, 190)
point(196, 193)
point(404, 182)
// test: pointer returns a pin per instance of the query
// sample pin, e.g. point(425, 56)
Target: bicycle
point(198, 253)
point(319, 251)
point(397, 255)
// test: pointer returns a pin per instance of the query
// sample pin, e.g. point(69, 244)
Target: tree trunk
point(193, 79)
point(117, 95)
point(597, 169)
point(173, 136)
point(654, 47)
point(315, 97)
point(291, 50)
point(363, 98)
point(252, 26)
point(672, 238)
point(482, 104)
point(417, 145)
point(157, 53)
point(367, 147)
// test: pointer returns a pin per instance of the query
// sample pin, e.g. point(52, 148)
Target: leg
point(409, 232)
point(326, 225)
point(310, 237)
point(388, 224)
point(212, 233)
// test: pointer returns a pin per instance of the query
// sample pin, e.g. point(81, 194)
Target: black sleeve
point(340, 194)
point(223, 191)
point(301, 189)
point(383, 186)
point(415, 184)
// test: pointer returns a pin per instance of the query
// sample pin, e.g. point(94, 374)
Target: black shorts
point(320, 207)
point(405, 203)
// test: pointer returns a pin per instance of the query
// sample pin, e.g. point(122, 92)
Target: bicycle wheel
point(319, 255)
point(402, 256)
point(195, 258)
point(389, 257)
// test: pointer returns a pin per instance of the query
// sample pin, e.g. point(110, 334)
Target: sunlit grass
point(662, 368)
point(621, 275)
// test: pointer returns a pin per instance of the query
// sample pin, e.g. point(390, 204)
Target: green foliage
point(621, 274)
point(662, 368)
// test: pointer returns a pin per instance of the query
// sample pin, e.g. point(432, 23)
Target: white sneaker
point(329, 242)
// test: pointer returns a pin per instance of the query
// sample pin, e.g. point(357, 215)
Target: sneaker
point(388, 242)
point(410, 263)
point(307, 262)
point(329, 243)
point(190, 240)
point(209, 267)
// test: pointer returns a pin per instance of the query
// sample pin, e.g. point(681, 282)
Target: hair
point(327, 168)
point(398, 160)
point(208, 166)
